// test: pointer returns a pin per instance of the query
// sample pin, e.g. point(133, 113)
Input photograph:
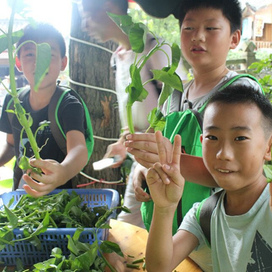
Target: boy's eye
point(30, 55)
point(188, 28)
point(211, 28)
point(211, 137)
point(240, 138)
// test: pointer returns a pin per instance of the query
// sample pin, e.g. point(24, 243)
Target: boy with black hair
point(99, 25)
point(209, 29)
point(58, 168)
point(237, 138)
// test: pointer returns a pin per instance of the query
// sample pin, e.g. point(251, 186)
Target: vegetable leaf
point(43, 59)
point(12, 218)
point(4, 39)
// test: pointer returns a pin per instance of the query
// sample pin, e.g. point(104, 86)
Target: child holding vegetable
point(100, 26)
point(209, 29)
point(237, 138)
point(57, 168)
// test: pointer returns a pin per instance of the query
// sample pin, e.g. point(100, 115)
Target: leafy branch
point(43, 58)
point(262, 69)
point(137, 34)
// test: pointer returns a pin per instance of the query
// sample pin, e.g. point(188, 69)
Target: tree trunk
point(91, 66)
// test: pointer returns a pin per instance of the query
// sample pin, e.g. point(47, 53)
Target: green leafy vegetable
point(137, 33)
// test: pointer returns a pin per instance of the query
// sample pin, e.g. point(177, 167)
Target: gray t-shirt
point(238, 243)
point(179, 102)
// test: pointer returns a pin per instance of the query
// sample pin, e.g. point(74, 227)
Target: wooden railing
point(263, 44)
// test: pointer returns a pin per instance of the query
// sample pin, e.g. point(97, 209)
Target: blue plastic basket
point(56, 237)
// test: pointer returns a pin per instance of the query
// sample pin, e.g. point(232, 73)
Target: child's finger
point(152, 176)
point(161, 147)
point(161, 173)
point(176, 150)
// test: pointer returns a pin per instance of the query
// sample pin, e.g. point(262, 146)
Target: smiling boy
point(209, 29)
point(236, 143)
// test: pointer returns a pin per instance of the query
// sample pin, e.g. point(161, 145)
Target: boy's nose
point(224, 152)
point(198, 35)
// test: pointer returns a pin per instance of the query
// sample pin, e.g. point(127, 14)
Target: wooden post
point(250, 53)
point(90, 65)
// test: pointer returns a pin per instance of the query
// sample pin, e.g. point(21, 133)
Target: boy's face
point(27, 63)
point(206, 38)
point(95, 20)
point(234, 145)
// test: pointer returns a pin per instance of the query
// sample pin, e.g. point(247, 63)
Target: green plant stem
point(20, 113)
point(130, 119)
point(30, 215)
point(150, 53)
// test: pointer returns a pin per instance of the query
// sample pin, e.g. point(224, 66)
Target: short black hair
point(41, 32)
point(89, 4)
point(245, 94)
point(231, 9)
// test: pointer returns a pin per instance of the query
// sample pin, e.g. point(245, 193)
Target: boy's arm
point(166, 186)
point(7, 150)
point(57, 174)
point(144, 148)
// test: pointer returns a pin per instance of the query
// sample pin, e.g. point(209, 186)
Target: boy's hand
point(54, 175)
point(139, 176)
point(116, 149)
point(164, 179)
point(144, 148)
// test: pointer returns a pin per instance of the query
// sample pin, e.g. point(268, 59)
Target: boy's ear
point(201, 138)
point(236, 37)
point(267, 156)
point(63, 63)
point(18, 64)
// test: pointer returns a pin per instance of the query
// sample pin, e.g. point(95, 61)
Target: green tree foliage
point(167, 28)
point(263, 71)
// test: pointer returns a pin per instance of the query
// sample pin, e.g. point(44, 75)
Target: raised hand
point(163, 178)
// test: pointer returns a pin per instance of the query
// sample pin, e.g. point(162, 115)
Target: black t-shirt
point(71, 117)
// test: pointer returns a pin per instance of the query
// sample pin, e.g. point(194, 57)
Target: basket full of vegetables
point(31, 227)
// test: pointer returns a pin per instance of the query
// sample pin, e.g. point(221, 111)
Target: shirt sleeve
point(4, 120)
point(71, 114)
point(191, 225)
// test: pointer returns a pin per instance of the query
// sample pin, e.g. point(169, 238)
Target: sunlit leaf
point(176, 54)
point(15, 38)
point(156, 119)
point(135, 90)
point(137, 37)
point(166, 91)
point(24, 163)
point(43, 59)
point(171, 79)
point(13, 219)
